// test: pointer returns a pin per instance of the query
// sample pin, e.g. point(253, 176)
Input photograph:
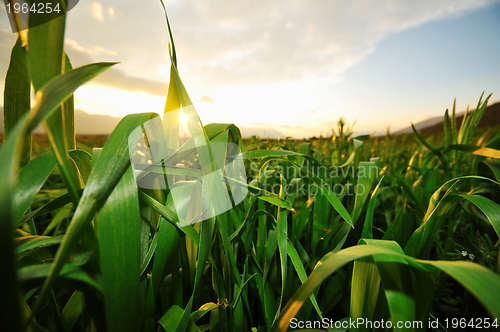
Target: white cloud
point(222, 43)
point(254, 41)
point(93, 50)
point(111, 12)
point(115, 76)
point(97, 11)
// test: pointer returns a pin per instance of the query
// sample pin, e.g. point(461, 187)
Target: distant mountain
point(491, 117)
point(420, 125)
point(261, 132)
point(94, 124)
point(85, 123)
point(97, 124)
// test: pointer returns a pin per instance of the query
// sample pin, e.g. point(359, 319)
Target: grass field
point(393, 233)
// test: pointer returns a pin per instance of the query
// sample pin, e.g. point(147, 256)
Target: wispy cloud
point(260, 41)
point(207, 99)
point(113, 77)
point(93, 50)
point(254, 41)
point(97, 11)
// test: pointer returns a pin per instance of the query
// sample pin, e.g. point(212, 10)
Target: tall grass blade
point(473, 119)
point(31, 179)
point(364, 290)
point(368, 224)
point(367, 173)
point(327, 266)
point(396, 278)
point(301, 272)
point(168, 240)
point(435, 151)
point(119, 230)
point(478, 280)
point(72, 310)
point(106, 172)
point(47, 60)
point(83, 162)
point(490, 209)
point(17, 96)
point(50, 96)
point(481, 282)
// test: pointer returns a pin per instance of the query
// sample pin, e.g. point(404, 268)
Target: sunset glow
point(381, 64)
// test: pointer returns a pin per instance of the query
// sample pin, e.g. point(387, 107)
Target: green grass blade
point(421, 240)
point(17, 96)
point(47, 60)
point(490, 209)
point(494, 166)
point(170, 215)
point(28, 243)
point(320, 216)
point(395, 275)
point(171, 319)
point(31, 179)
point(478, 280)
point(325, 190)
point(327, 266)
point(119, 230)
point(474, 118)
point(68, 111)
point(435, 151)
point(48, 98)
point(282, 238)
point(367, 226)
point(168, 240)
point(31, 326)
point(269, 153)
point(60, 88)
point(301, 272)
point(279, 202)
point(72, 310)
point(69, 272)
point(454, 132)
point(366, 177)
point(204, 248)
point(448, 139)
point(106, 172)
point(45, 45)
point(83, 162)
point(364, 290)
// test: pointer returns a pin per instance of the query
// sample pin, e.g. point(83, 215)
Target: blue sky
point(417, 73)
point(289, 68)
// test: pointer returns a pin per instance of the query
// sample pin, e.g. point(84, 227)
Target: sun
point(183, 118)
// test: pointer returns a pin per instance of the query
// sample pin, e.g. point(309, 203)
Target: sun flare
point(183, 118)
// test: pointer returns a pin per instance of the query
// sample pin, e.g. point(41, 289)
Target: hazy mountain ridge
point(491, 117)
point(85, 123)
point(98, 124)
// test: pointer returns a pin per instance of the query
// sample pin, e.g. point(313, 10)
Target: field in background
point(41, 142)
